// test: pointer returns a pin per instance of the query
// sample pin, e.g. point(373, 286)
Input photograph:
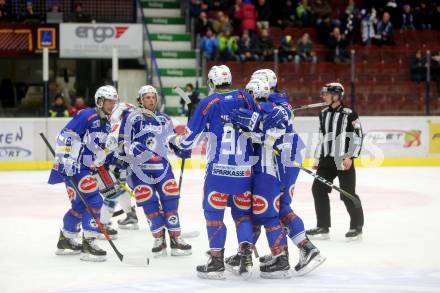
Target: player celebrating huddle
point(146, 135)
point(76, 150)
point(228, 174)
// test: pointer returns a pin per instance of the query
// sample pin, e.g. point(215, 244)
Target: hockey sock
point(276, 236)
point(107, 210)
point(71, 222)
point(154, 216)
point(243, 225)
point(125, 202)
point(216, 229)
point(89, 225)
point(295, 227)
point(256, 231)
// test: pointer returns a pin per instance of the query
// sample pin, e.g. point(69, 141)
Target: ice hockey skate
point(130, 222)
point(309, 258)
point(232, 264)
point(91, 251)
point(179, 247)
point(245, 267)
point(159, 246)
point(318, 233)
point(67, 246)
point(277, 268)
point(214, 268)
point(353, 235)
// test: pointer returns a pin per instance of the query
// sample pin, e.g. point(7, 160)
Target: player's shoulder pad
point(162, 117)
point(208, 101)
point(89, 114)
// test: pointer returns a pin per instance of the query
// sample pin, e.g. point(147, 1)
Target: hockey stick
point(310, 106)
point(355, 200)
point(187, 100)
point(121, 257)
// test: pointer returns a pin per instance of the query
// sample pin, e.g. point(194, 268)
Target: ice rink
point(399, 251)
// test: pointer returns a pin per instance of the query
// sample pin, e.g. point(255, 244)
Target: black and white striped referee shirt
point(340, 133)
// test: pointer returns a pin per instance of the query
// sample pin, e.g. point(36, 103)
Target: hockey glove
point(278, 118)
point(246, 119)
point(181, 153)
point(70, 167)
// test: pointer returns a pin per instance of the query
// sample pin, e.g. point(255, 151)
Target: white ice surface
point(399, 252)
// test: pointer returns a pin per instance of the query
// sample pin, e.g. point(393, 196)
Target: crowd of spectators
point(61, 108)
point(240, 29)
point(28, 13)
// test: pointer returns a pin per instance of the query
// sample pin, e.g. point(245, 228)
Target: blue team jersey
point(147, 134)
point(81, 139)
point(229, 169)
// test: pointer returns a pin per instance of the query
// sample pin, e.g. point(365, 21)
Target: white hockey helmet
point(146, 89)
point(334, 88)
point(268, 75)
point(258, 88)
point(219, 75)
point(106, 92)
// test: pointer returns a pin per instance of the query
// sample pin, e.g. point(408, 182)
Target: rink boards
point(388, 141)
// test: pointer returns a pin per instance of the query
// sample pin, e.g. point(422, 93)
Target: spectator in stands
point(418, 67)
point(193, 96)
point(286, 50)
point(5, 11)
point(338, 47)
point(202, 24)
point(209, 44)
point(368, 18)
point(321, 9)
point(247, 48)
point(423, 16)
point(195, 8)
point(231, 13)
point(59, 108)
point(324, 30)
point(79, 104)
point(407, 18)
point(227, 46)
point(216, 5)
point(222, 23)
point(392, 8)
point(246, 14)
point(78, 14)
point(286, 15)
point(304, 51)
point(304, 13)
point(435, 70)
point(29, 15)
point(264, 14)
point(384, 31)
point(351, 7)
point(265, 46)
point(350, 25)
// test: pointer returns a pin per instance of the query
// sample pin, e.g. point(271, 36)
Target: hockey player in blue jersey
point(266, 188)
point(76, 157)
point(228, 176)
point(288, 148)
point(146, 134)
point(113, 176)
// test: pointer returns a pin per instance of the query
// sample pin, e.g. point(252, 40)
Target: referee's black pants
point(347, 180)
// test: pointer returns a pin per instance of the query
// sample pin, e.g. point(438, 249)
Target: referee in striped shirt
point(340, 142)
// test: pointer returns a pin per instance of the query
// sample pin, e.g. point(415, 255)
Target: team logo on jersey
point(93, 224)
point(71, 193)
point(170, 187)
point(173, 220)
point(231, 171)
point(291, 190)
point(259, 204)
point(243, 201)
point(218, 200)
point(143, 193)
point(276, 202)
point(88, 184)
